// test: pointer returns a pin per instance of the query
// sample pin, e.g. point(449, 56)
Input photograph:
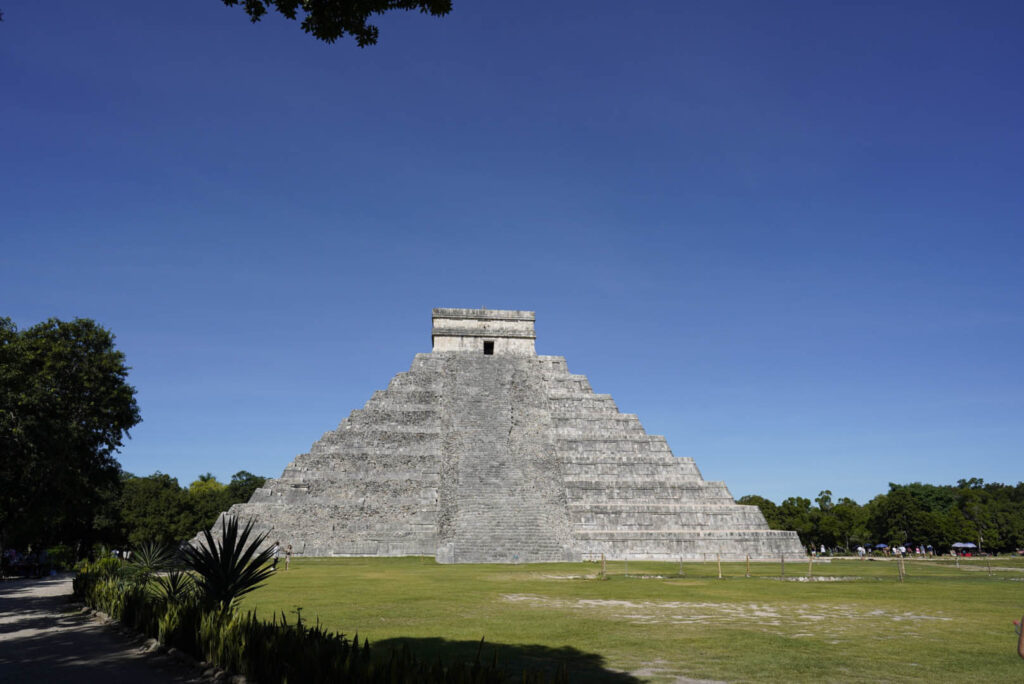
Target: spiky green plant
point(175, 586)
point(230, 567)
point(148, 559)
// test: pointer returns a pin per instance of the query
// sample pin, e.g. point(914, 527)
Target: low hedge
point(264, 651)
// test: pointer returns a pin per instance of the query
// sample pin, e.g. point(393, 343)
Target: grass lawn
point(941, 624)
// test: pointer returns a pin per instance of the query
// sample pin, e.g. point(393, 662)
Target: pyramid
point(485, 452)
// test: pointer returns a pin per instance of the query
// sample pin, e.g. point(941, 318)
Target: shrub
point(196, 614)
point(230, 567)
point(174, 586)
point(61, 557)
point(149, 559)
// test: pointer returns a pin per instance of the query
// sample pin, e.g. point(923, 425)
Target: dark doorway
point(488, 348)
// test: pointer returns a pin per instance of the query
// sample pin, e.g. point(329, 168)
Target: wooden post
point(899, 568)
point(782, 566)
point(748, 565)
point(988, 562)
point(957, 556)
point(680, 566)
point(718, 557)
point(810, 566)
point(627, 565)
point(602, 567)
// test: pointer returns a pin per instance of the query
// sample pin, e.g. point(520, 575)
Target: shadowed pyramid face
point(486, 452)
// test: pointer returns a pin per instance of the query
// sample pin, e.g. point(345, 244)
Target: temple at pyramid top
point(484, 331)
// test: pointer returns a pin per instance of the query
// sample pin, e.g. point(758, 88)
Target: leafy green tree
point(896, 517)
point(207, 498)
point(65, 407)
point(915, 513)
point(850, 523)
point(330, 20)
point(155, 509)
point(795, 514)
point(768, 509)
point(826, 526)
point(242, 485)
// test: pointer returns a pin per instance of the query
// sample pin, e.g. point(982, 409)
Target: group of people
point(898, 551)
point(277, 554)
point(14, 563)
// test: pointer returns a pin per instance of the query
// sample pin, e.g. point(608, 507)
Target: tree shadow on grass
point(512, 658)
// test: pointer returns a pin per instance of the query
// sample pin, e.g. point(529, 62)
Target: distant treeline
point(988, 514)
point(155, 508)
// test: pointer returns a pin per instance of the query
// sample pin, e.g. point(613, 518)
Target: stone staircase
point(507, 502)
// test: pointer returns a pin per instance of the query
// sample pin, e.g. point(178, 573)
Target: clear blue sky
point(788, 235)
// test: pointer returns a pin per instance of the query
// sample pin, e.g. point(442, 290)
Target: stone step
point(613, 460)
point(644, 472)
point(651, 507)
point(682, 533)
point(613, 445)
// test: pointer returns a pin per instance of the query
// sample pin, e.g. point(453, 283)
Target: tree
point(207, 498)
point(850, 523)
point(795, 514)
point(155, 509)
point(65, 407)
point(329, 20)
point(767, 507)
point(243, 484)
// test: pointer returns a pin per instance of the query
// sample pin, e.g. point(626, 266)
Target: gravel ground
point(45, 638)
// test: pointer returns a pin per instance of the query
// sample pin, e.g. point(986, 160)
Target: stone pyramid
point(485, 452)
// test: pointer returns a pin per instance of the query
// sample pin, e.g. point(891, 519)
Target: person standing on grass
point(287, 556)
point(277, 552)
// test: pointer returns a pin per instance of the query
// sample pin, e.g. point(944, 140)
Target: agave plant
point(149, 559)
point(230, 567)
point(174, 587)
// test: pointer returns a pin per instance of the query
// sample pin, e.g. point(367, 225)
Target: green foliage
point(154, 509)
point(989, 514)
point(65, 407)
point(61, 556)
point(768, 509)
point(795, 514)
point(242, 485)
point(147, 560)
point(229, 567)
point(178, 624)
point(107, 567)
point(174, 586)
point(329, 20)
point(275, 651)
point(207, 498)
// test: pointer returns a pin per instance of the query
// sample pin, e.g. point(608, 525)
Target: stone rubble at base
point(502, 457)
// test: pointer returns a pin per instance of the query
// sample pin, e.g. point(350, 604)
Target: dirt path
point(44, 638)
